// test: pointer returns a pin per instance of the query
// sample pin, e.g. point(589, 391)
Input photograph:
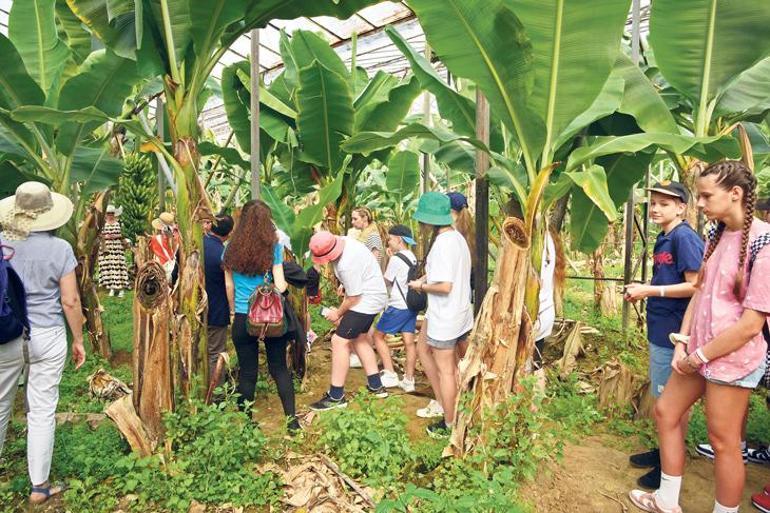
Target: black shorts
point(353, 324)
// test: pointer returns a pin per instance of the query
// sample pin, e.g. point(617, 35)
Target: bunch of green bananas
point(138, 195)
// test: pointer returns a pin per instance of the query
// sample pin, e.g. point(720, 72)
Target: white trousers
point(47, 353)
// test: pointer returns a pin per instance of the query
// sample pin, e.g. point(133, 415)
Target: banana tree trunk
point(500, 342)
point(86, 252)
point(191, 302)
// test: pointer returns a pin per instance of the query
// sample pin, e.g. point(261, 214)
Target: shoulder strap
point(756, 245)
point(406, 260)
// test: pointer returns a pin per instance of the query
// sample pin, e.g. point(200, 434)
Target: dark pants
point(537, 355)
point(217, 341)
point(247, 347)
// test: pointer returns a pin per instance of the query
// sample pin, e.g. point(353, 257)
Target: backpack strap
point(409, 264)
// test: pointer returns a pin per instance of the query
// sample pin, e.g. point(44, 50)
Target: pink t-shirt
point(717, 308)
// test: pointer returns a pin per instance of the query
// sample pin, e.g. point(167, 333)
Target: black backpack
point(416, 300)
point(13, 303)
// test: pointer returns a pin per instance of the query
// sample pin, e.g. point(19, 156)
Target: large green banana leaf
point(306, 47)
point(588, 224)
point(367, 143)
point(283, 215)
point(104, 81)
point(324, 116)
point(484, 41)
point(72, 32)
point(178, 30)
point(749, 93)
point(375, 90)
point(593, 182)
point(118, 35)
point(32, 28)
point(237, 103)
point(210, 19)
point(260, 12)
point(701, 46)
point(575, 44)
point(387, 115)
point(403, 175)
point(641, 100)
point(95, 169)
point(17, 87)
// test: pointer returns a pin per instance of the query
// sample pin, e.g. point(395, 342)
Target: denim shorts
point(749, 381)
point(446, 344)
point(660, 367)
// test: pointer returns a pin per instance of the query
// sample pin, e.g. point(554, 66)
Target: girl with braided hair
point(720, 352)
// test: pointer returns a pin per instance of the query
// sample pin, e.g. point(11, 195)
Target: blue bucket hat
point(457, 200)
point(434, 208)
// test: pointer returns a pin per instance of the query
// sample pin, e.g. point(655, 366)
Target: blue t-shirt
point(219, 311)
point(676, 252)
point(245, 285)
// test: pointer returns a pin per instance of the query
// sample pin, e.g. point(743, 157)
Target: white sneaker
point(389, 379)
point(112, 293)
point(120, 294)
point(355, 362)
point(407, 385)
point(433, 409)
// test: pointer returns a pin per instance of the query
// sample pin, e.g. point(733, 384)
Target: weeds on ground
point(214, 459)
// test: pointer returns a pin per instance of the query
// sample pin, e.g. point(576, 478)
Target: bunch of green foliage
point(368, 440)
point(137, 194)
point(763, 183)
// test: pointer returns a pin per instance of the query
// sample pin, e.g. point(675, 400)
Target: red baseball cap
point(326, 247)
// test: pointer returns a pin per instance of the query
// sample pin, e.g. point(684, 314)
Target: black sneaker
point(651, 480)
point(761, 456)
point(380, 393)
point(328, 403)
point(438, 430)
point(707, 451)
point(646, 459)
point(293, 427)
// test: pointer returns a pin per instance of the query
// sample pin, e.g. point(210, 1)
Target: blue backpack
point(13, 302)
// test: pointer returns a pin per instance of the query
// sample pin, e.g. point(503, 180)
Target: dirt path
point(593, 477)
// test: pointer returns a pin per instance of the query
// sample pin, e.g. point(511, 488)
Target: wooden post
point(482, 202)
point(629, 216)
point(425, 184)
point(255, 175)
point(161, 180)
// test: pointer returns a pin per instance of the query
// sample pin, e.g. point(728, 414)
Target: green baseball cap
point(434, 209)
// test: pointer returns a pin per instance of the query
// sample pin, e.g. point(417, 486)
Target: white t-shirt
point(449, 316)
point(360, 274)
point(546, 315)
point(397, 273)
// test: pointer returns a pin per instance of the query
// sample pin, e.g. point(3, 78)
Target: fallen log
point(124, 415)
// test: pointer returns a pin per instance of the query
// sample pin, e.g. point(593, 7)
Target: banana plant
point(181, 41)
point(308, 112)
point(43, 74)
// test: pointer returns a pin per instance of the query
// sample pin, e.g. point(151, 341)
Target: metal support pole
point(480, 270)
point(425, 184)
point(161, 181)
point(629, 243)
point(255, 164)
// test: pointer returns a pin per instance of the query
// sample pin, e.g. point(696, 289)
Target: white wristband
point(701, 356)
point(662, 291)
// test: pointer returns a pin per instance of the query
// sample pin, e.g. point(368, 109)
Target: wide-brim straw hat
point(163, 220)
point(34, 208)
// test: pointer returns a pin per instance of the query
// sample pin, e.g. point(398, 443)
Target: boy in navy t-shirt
point(676, 260)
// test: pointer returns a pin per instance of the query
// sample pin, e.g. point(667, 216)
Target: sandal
point(46, 491)
point(649, 502)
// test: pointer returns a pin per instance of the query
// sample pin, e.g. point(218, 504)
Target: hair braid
point(749, 200)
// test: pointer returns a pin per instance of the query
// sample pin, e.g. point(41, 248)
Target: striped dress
point(113, 272)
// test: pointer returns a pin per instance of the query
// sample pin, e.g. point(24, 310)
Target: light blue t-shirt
point(245, 285)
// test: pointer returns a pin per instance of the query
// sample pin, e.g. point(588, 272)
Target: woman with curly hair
point(253, 257)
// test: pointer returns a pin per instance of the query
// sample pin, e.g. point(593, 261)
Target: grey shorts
point(446, 344)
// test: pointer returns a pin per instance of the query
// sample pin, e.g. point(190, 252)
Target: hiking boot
point(651, 480)
point(433, 410)
point(438, 430)
point(328, 403)
point(407, 385)
point(389, 379)
point(648, 501)
point(646, 459)
point(355, 362)
point(380, 393)
point(707, 451)
point(761, 501)
point(761, 456)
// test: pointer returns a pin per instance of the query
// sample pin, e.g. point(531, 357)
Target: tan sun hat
point(34, 208)
point(163, 220)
